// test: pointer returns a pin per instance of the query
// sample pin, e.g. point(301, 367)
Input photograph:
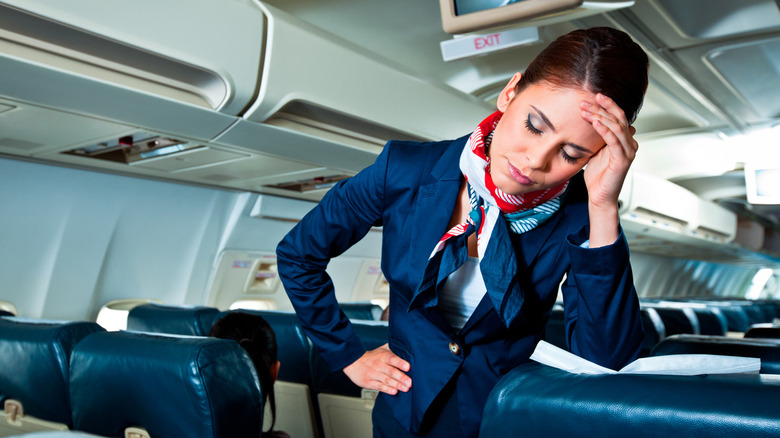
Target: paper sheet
point(673, 364)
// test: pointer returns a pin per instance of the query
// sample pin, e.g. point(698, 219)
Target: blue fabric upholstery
point(654, 329)
point(711, 321)
point(765, 349)
point(177, 320)
point(653, 325)
point(767, 330)
point(361, 311)
point(371, 336)
point(678, 320)
point(736, 317)
point(34, 358)
point(172, 386)
point(535, 400)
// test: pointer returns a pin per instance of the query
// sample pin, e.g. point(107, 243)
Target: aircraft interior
point(154, 153)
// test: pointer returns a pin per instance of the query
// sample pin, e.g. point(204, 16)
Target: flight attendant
point(478, 234)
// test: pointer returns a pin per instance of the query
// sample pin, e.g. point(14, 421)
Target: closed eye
point(530, 127)
point(569, 159)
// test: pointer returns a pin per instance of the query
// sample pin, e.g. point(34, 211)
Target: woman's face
point(541, 140)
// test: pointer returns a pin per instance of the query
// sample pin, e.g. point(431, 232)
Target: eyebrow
point(552, 127)
point(544, 118)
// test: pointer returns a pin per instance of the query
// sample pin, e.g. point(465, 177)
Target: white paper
point(673, 364)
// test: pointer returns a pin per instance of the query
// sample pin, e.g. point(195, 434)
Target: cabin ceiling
point(713, 99)
point(715, 74)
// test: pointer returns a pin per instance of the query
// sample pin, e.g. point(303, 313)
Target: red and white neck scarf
point(522, 212)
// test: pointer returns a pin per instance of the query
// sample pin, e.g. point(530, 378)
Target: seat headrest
point(172, 386)
point(293, 346)
point(765, 330)
point(545, 401)
point(177, 320)
point(361, 311)
point(34, 358)
point(767, 350)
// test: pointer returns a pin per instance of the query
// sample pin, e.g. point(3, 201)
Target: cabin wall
point(73, 240)
point(657, 277)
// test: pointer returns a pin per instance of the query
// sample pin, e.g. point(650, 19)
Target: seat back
point(737, 318)
point(544, 401)
point(177, 320)
point(654, 328)
point(345, 409)
point(765, 349)
point(34, 369)
point(678, 320)
point(711, 321)
point(295, 407)
point(365, 311)
point(767, 330)
point(171, 386)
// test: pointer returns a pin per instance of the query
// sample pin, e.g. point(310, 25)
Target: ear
point(274, 370)
point(508, 93)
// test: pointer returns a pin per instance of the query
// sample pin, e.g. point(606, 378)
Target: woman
point(259, 340)
point(478, 234)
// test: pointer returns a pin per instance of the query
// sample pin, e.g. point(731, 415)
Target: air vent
point(308, 185)
point(134, 148)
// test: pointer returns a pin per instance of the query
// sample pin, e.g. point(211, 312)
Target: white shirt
point(462, 292)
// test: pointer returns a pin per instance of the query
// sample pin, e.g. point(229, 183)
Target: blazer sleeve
point(603, 323)
point(343, 217)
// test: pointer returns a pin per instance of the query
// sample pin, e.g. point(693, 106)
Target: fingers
point(380, 369)
point(609, 120)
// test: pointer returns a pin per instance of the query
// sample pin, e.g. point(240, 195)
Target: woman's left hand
point(607, 169)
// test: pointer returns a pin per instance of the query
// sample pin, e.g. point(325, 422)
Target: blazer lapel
point(526, 248)
point(434, 204)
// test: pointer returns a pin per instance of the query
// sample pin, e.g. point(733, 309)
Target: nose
point(538, 156)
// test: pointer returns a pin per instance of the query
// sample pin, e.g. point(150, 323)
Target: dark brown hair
point(257, 337)
point(599, 60)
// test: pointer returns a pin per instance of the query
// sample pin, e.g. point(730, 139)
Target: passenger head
point(259, 340)
point(598, 60)
point(542, 139)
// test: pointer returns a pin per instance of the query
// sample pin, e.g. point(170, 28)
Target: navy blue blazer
point(411, 191)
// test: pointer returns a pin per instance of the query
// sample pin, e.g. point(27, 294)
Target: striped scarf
point(522, 212)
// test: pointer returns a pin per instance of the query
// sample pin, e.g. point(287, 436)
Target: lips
point(519, 177)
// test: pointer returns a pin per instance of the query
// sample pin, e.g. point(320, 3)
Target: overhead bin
point(315, 78)
point(660, 217)
point(230, 93)
point(203, 52)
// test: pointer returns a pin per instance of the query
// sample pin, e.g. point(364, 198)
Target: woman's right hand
point(381, 370)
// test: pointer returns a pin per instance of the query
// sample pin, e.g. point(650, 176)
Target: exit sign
point(474, 45)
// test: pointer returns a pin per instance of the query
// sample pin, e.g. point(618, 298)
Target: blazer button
point(454, 348)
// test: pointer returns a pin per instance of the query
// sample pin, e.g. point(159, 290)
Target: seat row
point(76, 376)
point(663, 319)
point(311, 399)
point(545, 401)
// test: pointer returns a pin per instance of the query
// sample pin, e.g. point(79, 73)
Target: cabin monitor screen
point(469, 6)
point(462, 16)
